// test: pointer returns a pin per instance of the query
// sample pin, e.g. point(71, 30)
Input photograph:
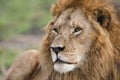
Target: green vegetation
point(20, 16)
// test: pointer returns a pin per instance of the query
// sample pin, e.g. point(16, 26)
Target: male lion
point(82, 43)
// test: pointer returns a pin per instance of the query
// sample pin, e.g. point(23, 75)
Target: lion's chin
point(63, 67)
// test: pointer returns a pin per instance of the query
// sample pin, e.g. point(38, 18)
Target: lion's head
point(73, 37)
point(82, 38)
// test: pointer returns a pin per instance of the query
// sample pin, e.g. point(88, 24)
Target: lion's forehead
point(72, 18)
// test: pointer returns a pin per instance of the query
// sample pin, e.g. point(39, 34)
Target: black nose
point(57, 49)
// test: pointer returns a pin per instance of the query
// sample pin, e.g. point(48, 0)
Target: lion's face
point(72, 39)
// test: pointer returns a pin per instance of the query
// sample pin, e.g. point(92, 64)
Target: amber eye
point(77, 30)
point(55, 30)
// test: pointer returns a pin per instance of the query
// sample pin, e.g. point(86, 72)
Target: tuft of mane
point(90, 5)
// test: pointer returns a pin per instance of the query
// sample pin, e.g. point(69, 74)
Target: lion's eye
point(77, 30)
point(55, 30)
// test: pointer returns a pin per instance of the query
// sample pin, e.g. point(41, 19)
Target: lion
point(82, 42)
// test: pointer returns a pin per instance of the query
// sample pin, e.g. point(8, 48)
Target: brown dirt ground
point(22, 42)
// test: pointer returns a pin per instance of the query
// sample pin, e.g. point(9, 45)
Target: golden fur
point(103, 60)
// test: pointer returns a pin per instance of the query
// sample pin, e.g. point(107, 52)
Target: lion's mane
point(104, 61)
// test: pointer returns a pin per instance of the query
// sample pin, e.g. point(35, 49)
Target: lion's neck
point(74, 75)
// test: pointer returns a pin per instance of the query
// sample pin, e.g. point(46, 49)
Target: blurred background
point(21, 24)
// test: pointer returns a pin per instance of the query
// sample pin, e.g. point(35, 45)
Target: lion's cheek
point(71, 58)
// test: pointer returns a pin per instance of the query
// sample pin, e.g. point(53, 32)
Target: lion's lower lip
point(61, 61)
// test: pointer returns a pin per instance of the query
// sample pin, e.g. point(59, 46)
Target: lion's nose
point(57, 49)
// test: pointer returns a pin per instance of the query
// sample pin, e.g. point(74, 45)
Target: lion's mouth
point(61, 61)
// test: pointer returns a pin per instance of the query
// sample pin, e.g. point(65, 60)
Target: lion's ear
point(103, 17)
